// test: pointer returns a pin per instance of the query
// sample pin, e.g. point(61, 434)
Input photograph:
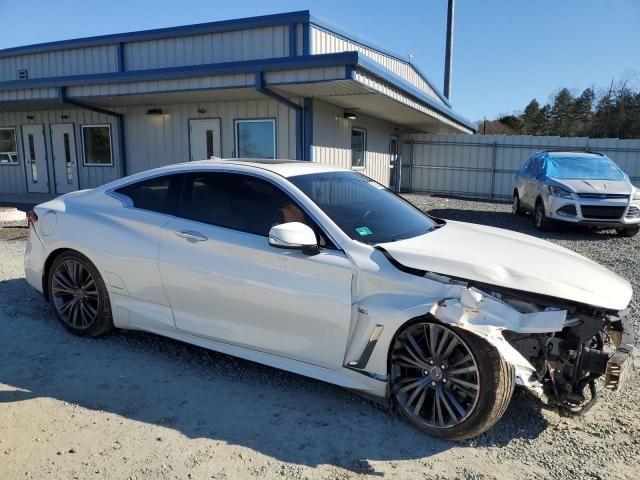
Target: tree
point(530, 118)
point(562, 114)
point(614, 112)
point(583, 112)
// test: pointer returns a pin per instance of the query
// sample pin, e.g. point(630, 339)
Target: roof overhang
point(347, 79)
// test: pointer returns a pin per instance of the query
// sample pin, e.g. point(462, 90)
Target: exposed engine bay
point(591, 345)
point(559, 348)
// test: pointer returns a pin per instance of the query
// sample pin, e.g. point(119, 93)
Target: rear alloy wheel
point(540, 219)
point(79, 295)
point(448, 382)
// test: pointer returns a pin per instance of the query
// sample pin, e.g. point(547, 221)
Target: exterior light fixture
point(30, 117)
point(64, 117)
point(202, 110)
point(155, 111)
point(350, 115)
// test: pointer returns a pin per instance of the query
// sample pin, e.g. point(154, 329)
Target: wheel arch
point(49, 262)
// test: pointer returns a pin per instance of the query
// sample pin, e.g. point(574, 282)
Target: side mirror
point(295, 236)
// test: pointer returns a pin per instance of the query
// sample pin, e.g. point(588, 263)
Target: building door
point(35, 158)
point(204, 139)
point(63, 144)
point(394, 164)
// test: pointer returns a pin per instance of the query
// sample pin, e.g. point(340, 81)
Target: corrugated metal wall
point(332, 140)
point(73, 61)
point(12, 177)
point(153, 140)
point(208, 48)
point(328, 42)
point(484, 166)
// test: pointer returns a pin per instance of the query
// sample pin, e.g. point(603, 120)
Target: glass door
point(35, 158)
point(63, 144)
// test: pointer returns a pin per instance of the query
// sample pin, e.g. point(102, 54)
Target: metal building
point(78, 113)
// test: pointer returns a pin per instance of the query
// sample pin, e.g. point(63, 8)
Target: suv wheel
point(540, 219)
point(628, 231)
point(515, 206)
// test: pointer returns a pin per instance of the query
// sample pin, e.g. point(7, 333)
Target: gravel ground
point(133, 405)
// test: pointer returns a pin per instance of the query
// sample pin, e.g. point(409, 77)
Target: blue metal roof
point(302, 16)
point(351, 59)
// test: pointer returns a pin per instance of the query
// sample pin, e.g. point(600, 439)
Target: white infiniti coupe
point(323, 272)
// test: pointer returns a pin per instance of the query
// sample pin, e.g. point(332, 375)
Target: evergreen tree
point(562, 114)
point(529, 118)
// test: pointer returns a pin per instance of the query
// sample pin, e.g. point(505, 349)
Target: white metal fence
point(484, 166)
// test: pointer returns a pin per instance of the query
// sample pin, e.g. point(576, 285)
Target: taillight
point(32, 217)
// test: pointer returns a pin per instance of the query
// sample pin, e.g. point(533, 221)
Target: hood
point(596, 186)
point(512, 260)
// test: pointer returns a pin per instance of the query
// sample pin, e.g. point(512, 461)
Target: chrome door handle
point(192, 235)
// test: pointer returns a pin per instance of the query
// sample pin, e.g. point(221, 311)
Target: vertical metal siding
point(74, 61)
point(153, 141)
point(332, 141)
point(484, 166)
point(238, 45)
point(327, 42)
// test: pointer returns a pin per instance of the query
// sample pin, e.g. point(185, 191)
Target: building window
point(96, 142)
point(358, 148)
point(8, 150)
point(255, 138)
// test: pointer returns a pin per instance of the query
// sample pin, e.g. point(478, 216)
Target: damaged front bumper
point(619, 364)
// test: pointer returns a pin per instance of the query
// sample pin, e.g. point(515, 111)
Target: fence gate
point(484, 166)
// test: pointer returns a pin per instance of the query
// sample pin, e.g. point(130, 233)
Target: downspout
point(260, 87)
point(62, 98)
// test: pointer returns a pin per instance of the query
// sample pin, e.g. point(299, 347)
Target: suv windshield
point(364, 210)
point(583, 168)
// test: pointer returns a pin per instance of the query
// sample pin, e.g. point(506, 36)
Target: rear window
point(154, 194)
point(583, 168)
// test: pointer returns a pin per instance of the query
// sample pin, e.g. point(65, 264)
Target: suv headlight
point(636, 195)
point(559, 192)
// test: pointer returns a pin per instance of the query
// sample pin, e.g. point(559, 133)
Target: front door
point(394, 164)
point(225, 282)
point(63, 144)
point(204, 139)
point(35, 158)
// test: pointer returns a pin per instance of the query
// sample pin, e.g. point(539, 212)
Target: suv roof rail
point(572, 150)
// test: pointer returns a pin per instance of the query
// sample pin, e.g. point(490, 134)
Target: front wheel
point(540, 219)
point(516, 208)
point(79, 296)
point(628, 231)
point(447, 382)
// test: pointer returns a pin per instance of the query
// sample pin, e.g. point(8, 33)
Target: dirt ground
point(137, 406)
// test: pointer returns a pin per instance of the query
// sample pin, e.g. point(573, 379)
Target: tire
point(473, 414)
point(78, 295)
point(515, 206)
point(629, 231)
point(540, 220)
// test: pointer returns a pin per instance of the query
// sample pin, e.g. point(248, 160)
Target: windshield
point(583, 168)
point(364, 210)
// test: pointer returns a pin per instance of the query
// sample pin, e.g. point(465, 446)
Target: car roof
point(282, 167)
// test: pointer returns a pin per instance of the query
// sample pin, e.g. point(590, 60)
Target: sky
point(506, 52)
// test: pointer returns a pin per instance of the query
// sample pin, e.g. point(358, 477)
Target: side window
point(155, 194)
point(241, 202)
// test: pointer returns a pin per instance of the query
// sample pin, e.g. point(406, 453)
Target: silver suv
point(577, 187)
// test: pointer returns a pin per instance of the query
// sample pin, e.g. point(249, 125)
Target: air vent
point(23, 74)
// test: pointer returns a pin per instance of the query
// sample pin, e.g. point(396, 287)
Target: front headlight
point(559, 192)
point(636, 195)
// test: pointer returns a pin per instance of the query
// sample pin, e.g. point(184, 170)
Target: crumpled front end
point(558, 352)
